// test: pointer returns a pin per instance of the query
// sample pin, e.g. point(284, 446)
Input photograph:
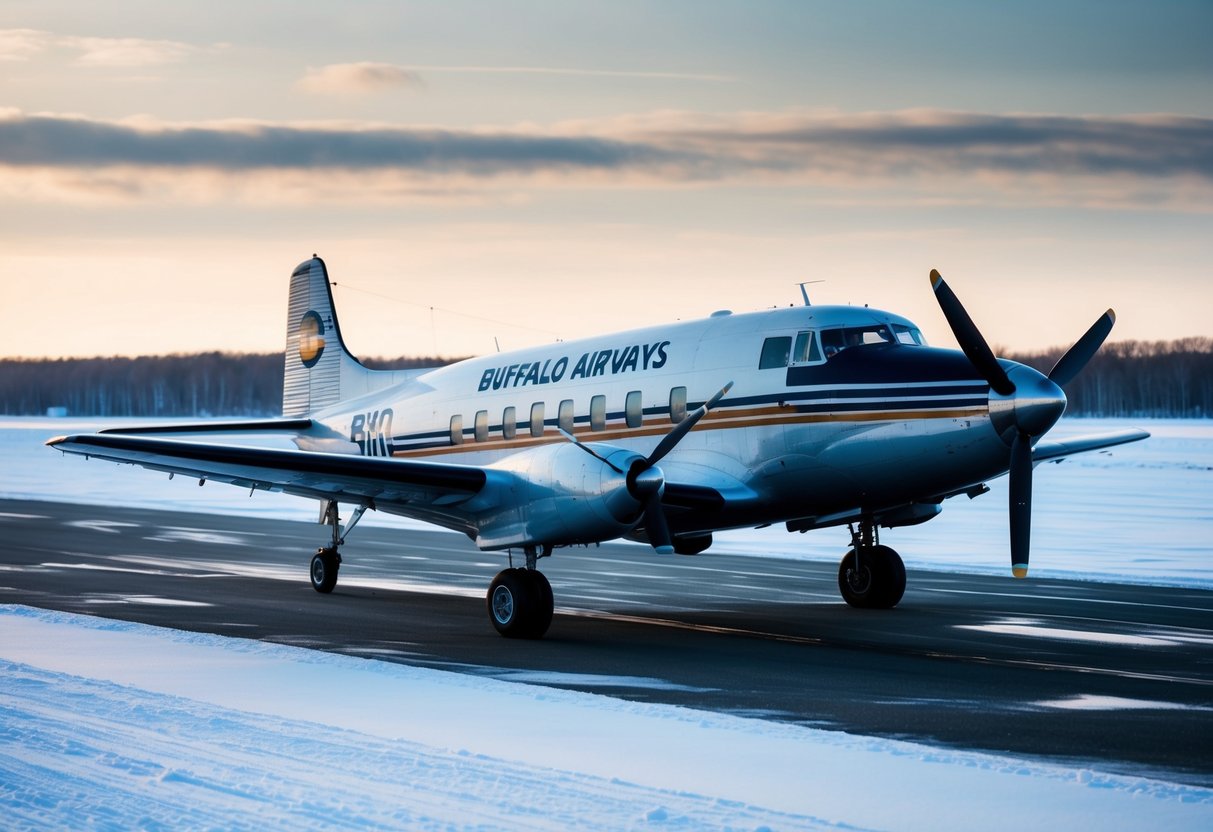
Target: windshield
point(834, 341)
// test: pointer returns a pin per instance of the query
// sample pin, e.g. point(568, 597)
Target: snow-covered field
point(114, 725)
point(118, 725)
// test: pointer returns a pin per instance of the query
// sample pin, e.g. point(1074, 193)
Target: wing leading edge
point(323, 476)
point(1058, 449)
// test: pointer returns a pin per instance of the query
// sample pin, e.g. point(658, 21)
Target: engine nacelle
point(562, 496)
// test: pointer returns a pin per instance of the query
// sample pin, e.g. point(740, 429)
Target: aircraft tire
point(881, 580)
point(545, 603)
point(514, 603)
point(325, 564)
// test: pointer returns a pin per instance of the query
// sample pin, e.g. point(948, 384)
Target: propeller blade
point(1072, 363)
point(655, 525)
point(683, 428)
point(1021, 503)
point(590, 451)
point(970, 338)
point(647, 485)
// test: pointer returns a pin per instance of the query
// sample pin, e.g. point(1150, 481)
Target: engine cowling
point(562, 495)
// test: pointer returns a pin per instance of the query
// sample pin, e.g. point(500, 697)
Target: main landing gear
point(520, 601)
point(871, 576)
point(327, 560)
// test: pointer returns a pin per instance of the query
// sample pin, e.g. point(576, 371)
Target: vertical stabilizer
point(314, 350)
point(319, 370)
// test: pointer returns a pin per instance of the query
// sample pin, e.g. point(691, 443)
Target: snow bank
point(116, 725)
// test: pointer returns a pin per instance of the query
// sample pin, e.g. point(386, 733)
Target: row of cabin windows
point(633, 415)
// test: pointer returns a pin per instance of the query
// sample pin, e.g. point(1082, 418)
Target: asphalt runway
point(1118, 677)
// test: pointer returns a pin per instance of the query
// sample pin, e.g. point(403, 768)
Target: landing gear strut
point(520, 601)
point(871, 576)
point(327, 560)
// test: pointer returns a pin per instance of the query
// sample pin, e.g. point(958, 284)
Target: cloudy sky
point(477, 173)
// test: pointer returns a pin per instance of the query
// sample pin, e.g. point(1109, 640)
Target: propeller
point(1084, 349)
point(969, 337)
point(646, 482)
point(1024, 404)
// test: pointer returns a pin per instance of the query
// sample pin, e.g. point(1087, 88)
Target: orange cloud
point(362, 77)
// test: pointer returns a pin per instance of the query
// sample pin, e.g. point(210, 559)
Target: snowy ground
point(119, 725)
point(116, 725)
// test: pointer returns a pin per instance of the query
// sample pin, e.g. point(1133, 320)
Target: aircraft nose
point(1033, 408)
point(1039, 402)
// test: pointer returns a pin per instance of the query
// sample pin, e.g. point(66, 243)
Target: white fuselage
point(814, 436)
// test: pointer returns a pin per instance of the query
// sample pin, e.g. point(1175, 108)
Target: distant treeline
point(1126, 378)
point(205, 384)
point(1163, 379)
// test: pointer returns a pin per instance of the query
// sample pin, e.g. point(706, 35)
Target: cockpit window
point(806, 350)
point(908, 335)
point(834, 341)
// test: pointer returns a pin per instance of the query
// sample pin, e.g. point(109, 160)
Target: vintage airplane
point(808, 416)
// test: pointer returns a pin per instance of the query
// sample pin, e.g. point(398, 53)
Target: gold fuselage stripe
point(754, 417)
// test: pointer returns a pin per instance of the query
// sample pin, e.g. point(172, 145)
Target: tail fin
point(319, 370)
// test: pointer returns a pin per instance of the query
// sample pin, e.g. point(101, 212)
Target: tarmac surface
point(1119, 677)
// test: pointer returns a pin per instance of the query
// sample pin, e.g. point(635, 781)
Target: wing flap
point(342, 477)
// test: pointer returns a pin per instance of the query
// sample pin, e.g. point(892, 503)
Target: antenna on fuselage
point(804, 292)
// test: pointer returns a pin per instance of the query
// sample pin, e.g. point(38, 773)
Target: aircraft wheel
point(516, 603)
point(545, 602)
point(879, 582)
point(325, 564)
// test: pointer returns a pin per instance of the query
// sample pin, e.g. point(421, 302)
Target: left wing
point(323, 476)
point(1058, 449)
point(551, 494)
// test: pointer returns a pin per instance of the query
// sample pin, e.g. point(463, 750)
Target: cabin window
point(509, 423)
point(598, 413)
point(482, 425)
point(632, 411)
point(678, 404)
point(565, 415)
point(807, 350)
point(456, 430)
point(537, 419)
point(775, 352)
